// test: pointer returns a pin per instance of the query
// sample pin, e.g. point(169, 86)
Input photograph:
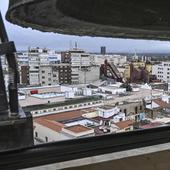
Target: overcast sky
point(25, 37)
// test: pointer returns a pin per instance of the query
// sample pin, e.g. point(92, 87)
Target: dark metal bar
point(13, 72)
point(12, 88)
point(81, 148)
point(3, 96)
point(3, 33)
point(6, 48)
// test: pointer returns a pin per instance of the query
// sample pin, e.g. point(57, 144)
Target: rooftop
point(78, 128)
point(161, 103)
point(50, 124)
point(136, 96)
point(38, 104)
point(64, 116)
point(152, 125)
point(107, 107)
point(56, 122)
point(124, 124)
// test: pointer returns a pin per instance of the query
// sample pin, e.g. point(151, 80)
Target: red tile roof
point(52, 121)
point(124, 124)
point(78, 128)
point(50, 124)
point(67, 115)
point(162, 104)
point(151, 125)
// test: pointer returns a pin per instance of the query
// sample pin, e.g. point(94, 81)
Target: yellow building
point(137, 64)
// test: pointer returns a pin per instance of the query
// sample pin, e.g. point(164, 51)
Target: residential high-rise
point(162, 71)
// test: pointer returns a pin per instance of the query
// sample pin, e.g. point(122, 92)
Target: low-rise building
point(158, 106)
point(63, 126)
point(124, 126)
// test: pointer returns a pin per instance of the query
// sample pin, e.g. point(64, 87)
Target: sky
point(26, 37)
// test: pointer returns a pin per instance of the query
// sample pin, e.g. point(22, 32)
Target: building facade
point(162, 71)
point(83, 68)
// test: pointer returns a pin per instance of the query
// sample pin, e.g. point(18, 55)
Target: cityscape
point(76, 94)
point(84, 85)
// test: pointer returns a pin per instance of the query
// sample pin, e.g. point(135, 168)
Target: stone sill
point(148, 158)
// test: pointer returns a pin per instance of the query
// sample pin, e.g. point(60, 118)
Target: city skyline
point(26, 37)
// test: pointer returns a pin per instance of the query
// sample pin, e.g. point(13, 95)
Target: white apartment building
point(34, 64)
point(162, 71)
point(48, 75)
point(49, 58)
point(22, 58)
point(83, 68)
point(99, 59)
point(34, 61)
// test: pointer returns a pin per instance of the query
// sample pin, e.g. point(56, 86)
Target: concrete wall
point(131, 107)
point(154, 161)
point(147, 158)
point(89, 76)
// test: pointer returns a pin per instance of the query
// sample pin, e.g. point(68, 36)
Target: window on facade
point(136, 110)
point(125, 111)
point(36, 134)
point(46, 139)
point(140, 107)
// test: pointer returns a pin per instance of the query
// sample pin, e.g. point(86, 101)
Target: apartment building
point(162, 71)
point(24, 74)
point(55, 74)
point(34, 63)
point(99, 59)
point(22, 58)
point(64, 73)
point(48, 75)
point(83, 68)
point(38, 66)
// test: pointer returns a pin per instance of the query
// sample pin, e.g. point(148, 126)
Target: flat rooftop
point(38, 104)
point(78, 128)
point(56, 121)
point(134, 96)
point(106, 107)
point(55, 126)
point(65, 116)
point(124, 124)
